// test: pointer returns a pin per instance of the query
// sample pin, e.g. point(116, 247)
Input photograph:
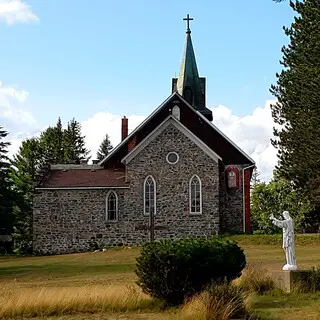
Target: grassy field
point(91, 279)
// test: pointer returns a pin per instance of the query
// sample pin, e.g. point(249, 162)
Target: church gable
point(192, 120)
point(171, 121)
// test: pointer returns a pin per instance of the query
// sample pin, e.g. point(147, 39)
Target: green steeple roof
point(189, 84)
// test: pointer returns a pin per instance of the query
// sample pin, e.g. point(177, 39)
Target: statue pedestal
point(286, 280)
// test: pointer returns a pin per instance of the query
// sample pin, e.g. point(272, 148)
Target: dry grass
point(99, 281)
point(32, 302)
point(255, 279)
point(219, 302)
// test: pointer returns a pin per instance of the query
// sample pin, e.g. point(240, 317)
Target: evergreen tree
point(26, 163)
point(105, 148)
point(297, 111)
point(52, 143)
point(74, 143)
point(6, 195)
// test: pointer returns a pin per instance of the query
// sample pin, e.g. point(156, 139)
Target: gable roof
point(196, 113)
point(157, 131)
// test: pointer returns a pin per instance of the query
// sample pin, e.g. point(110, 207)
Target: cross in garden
point(188, 19)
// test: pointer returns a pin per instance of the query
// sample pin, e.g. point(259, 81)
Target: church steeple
point(189, 84)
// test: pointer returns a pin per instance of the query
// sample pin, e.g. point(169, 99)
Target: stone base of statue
point(288, 267)
point(286, 280)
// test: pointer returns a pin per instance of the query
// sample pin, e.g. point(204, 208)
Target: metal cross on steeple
point(188, 19)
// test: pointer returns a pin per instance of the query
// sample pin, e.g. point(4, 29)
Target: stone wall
point(231, 205)
point(74, 220)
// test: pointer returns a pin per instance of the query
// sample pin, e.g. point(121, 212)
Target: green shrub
point(173, 270)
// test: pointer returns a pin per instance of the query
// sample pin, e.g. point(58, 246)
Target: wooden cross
point(188, 19)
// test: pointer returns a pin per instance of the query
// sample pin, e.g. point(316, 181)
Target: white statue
point(288, 239)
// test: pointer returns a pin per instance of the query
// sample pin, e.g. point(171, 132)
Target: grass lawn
point(115, 267)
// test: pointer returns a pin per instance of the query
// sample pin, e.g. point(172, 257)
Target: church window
point(149, 195)
point(232, 179)
point(172, 157)
point(195, 195)
point(112, 206)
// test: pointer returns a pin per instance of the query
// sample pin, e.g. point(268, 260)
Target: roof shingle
point(84, 178)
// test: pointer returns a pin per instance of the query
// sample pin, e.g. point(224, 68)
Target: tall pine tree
point(52, 143)
point(105, 148)
point(74, 143)
point(6, 195)
point(297, 110)
point(26, 163)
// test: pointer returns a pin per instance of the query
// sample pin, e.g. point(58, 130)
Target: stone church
point(176, 175)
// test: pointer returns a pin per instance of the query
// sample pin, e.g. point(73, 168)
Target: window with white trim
point(112, 206)
point(149, 195)
point(195, 195)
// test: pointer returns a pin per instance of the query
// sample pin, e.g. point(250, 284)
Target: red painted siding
point(247, 178)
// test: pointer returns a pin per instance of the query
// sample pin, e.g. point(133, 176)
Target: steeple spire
point(189, 84)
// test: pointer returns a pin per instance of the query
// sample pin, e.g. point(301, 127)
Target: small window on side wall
point(195, 195)
point(112, 206)
point(149, 195)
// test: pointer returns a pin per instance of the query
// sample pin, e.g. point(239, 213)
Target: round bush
point(173, 270)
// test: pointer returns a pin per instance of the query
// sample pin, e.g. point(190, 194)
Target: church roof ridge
point(61, 166)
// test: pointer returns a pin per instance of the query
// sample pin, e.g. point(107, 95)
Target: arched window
point(149, 195)
point(112, 206)
point(195, 195)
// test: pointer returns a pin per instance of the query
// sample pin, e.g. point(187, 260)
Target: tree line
point(18, 175)
point(296, 182)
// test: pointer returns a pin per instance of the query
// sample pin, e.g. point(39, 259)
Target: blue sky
point(76, 58)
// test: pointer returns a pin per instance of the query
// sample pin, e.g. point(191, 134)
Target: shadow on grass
point(281, 305)
point(64, 270)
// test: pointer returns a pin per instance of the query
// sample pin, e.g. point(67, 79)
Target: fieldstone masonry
point(75, 220)
point(231, 206)
point(172, 184)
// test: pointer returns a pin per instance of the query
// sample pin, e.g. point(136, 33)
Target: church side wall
point(172, 218)
point(75, 220)
point(231, 205)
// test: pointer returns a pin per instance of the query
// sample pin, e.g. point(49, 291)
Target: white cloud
point(252, 133)
point(10, 105)
point(96, 127)
point(16, 11)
